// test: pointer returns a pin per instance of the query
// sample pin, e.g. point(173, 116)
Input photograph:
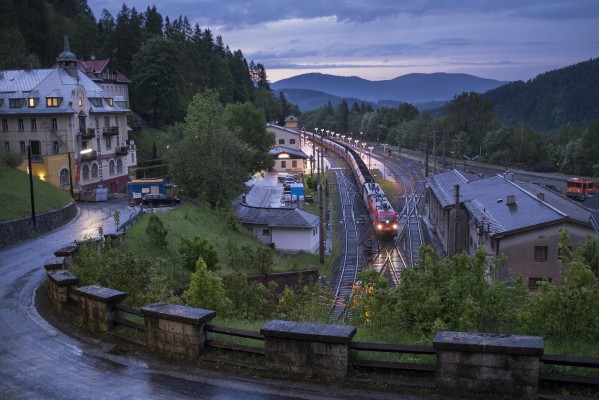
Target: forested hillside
point(167, 61)
point(567, 96)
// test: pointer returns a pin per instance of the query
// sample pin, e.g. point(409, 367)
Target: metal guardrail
point(571, 361)
point(393, 365)
point(242, 333)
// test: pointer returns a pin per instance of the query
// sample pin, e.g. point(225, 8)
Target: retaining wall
point(12, 232)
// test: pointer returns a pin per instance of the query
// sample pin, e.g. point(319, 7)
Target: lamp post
point(343, 138)
point(357, 141)
point(337, 135)
point(313, 151)
point(363, 145)
point(384, 155)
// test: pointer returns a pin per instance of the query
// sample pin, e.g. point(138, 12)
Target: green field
point(16, 197)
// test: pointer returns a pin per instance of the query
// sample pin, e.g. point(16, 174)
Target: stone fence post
point(176, 329)
point(307, 349)
point(97, 306)
point(482, 362)
point(58, 284)
point(68, 253)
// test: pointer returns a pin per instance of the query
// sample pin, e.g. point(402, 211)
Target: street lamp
point(363, 145)
point(343, 138)
point(337, 135)
point(384, 155)
point(357, 141)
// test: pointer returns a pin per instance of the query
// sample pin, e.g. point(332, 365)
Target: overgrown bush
point(144, 280)
point(10, 159)
point(191, 250)
point(156, 230)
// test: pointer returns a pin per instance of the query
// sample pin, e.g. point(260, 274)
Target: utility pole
point(31, 187)
point(434, 165)
point(320, 201)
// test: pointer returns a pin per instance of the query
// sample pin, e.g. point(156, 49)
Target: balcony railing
point(89, 133)
point(110, 130)
point(121, 151)
point(92, 155)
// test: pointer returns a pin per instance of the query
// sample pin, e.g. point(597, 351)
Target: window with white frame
point(33, 124)
point(85, 172)
point(64, 176)
point(94, 171)
point(111, 167)
point(109, 142)
point(119, 166)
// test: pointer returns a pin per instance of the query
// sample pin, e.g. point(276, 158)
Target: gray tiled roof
point(42, 83)
point(486, 199)
point(275, 217)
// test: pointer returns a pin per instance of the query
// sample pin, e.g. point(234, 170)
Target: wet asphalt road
point(38, 361)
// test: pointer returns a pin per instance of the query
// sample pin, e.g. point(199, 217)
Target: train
point(581, 188)
point(382, 215)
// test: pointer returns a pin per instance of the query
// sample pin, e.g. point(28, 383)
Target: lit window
point(109, 101)
point(53, 101)
point(32, 102)
point(80, 102)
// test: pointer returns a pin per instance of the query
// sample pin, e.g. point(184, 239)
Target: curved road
point(37, 361)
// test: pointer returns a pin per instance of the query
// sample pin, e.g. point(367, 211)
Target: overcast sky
point(383, 39)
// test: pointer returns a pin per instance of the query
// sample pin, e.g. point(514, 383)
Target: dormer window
point(96, 101)
point(16, 103)
point(109, 101)
point(53, 101)
point(32, 102)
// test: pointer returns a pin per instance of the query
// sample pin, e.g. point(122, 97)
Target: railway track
point(351, 260)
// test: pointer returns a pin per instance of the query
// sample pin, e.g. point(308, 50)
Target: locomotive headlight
point(394, 226)
point(379, 227)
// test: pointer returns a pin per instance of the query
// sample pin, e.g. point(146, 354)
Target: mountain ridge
point(412, 88)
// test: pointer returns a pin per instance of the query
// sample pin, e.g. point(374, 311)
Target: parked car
point(157, 200)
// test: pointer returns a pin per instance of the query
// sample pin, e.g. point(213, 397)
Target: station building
point(516, 219)
point(76, 131)
point(287, 151)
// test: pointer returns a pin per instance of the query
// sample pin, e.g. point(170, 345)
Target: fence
point(508, 364)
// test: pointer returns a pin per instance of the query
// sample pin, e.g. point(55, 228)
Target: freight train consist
point(382, 214)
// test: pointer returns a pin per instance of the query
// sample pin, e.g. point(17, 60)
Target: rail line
point(346, 270)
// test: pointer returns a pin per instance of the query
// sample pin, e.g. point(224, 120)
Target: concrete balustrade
point(307, 349)
point(482, 362)
point(97, 306)
point(177, 329)
point(68, 253)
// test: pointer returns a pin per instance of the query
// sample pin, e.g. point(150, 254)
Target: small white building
point(290, 230)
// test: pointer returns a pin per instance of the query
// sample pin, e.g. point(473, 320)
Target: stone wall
point(16, 231)
point(482, 362)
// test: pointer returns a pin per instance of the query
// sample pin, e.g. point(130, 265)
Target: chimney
point(456, 194)
point(511, 199)
point(541, 196)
